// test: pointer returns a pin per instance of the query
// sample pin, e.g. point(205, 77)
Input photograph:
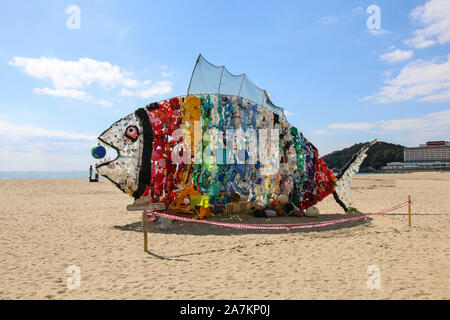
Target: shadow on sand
point(200, 229)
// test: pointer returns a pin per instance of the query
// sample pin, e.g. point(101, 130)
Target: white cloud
point(359, 11)
point(435, 16)
point(28, 147)
point(426, 124)
point(378, 32)
point(288, 113)
point(74, 74)
point(36, 159)
point(397, 56)
point(123, 32)
point(130, 83)
point(125, 92)
point(69, 77)
point(442, 96)
point(326, 20)
point(388, 73)
point(351, 126)
point(322, 132)
point(159, 88)
point(16, 131)
point(164, 71)
point(425, 80)
point(62, 93)
point(72, 94)
point(166, 74)
point(104, 103)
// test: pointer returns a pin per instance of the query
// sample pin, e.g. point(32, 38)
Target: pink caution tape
point(262, 226)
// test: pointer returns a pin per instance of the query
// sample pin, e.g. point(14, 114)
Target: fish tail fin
point(342, 191)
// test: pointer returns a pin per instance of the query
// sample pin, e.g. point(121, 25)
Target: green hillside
point(380, 154)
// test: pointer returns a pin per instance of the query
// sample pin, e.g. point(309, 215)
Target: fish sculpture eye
point(132, 133)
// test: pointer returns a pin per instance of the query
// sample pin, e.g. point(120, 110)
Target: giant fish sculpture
point(203, 151)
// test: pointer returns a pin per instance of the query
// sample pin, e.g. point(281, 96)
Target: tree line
point(377, 156)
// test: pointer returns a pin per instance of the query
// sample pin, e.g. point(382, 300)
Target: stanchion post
point(145, 229)
point(409, 210)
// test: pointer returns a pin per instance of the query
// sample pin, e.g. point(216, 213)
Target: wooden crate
point(236, 207)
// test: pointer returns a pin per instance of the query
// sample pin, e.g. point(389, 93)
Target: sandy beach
point(49, 225)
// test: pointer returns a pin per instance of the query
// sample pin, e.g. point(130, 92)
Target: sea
point(4, 175)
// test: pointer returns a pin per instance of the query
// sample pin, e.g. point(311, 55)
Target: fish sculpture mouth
point(125, 141)
point(106, 161)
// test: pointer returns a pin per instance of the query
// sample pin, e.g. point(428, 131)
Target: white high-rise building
point(432, 155)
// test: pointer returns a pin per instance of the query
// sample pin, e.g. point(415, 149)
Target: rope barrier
point(282, 226)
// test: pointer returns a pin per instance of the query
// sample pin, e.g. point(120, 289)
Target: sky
point(344, 71)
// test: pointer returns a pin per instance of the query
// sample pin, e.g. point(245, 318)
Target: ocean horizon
point(19, 175)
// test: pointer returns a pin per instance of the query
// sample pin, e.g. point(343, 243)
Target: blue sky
point(339, 81)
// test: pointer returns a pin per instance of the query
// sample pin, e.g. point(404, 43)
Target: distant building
point(434, 155)
point(432, 151)
point(393, 166)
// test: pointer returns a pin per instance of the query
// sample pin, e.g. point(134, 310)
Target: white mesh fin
point(344, 183)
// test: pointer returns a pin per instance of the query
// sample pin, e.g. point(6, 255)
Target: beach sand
point(49, 225)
